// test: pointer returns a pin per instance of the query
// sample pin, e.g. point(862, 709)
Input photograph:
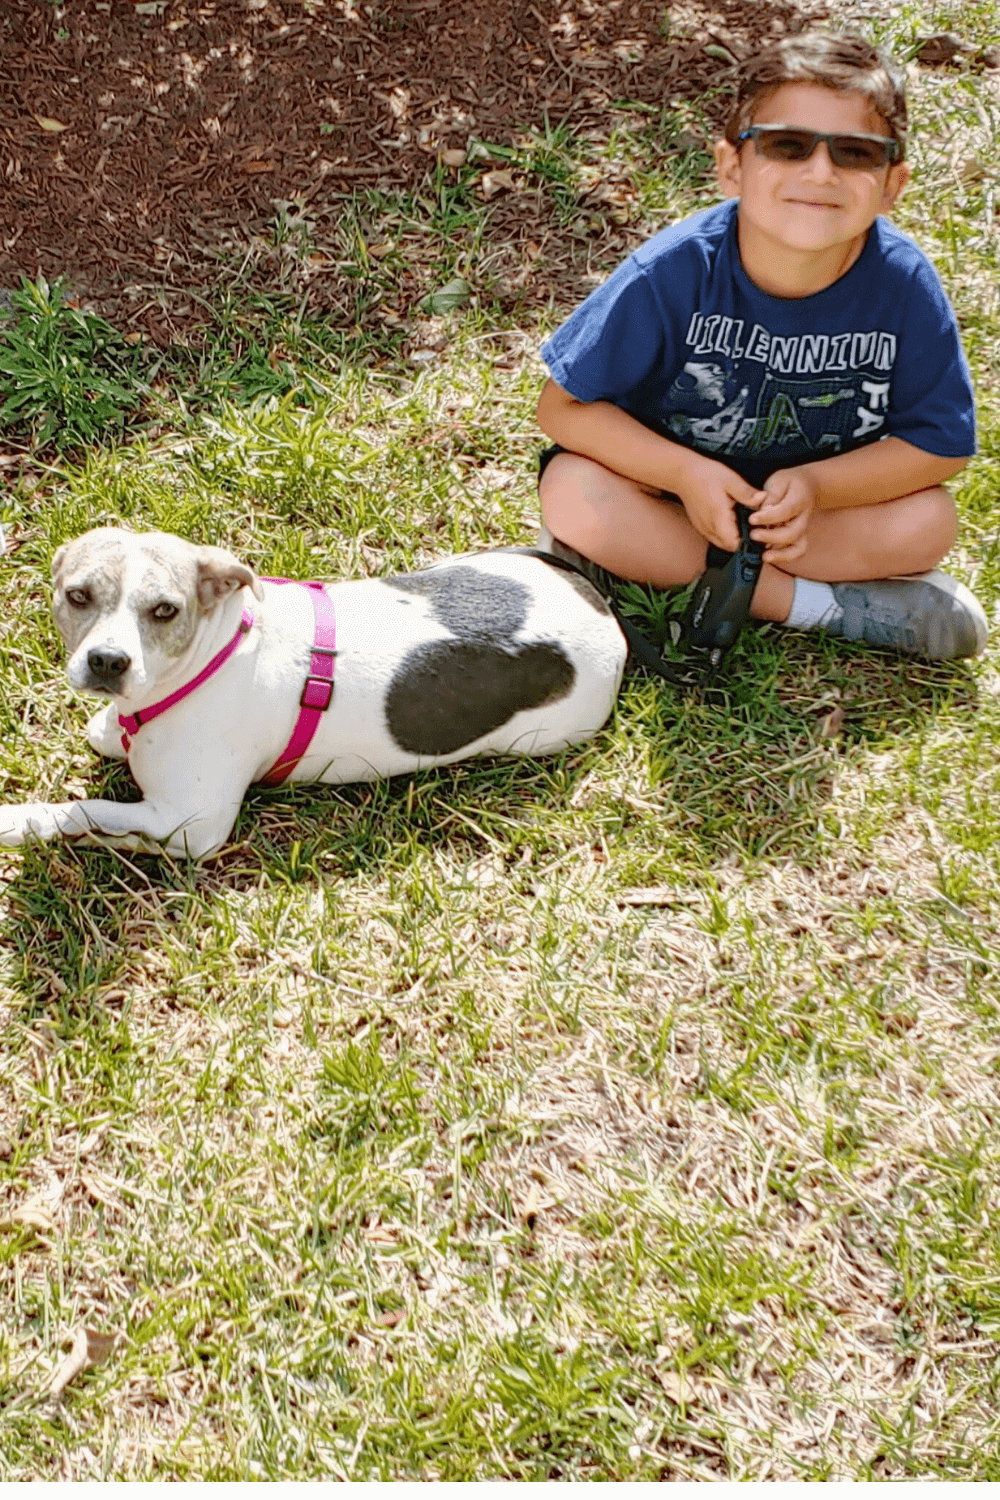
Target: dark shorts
point(548, 454)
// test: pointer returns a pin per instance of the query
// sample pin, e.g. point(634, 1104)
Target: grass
point(630, 1114)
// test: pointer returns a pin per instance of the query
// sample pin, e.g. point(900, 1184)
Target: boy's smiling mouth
point(803, 201)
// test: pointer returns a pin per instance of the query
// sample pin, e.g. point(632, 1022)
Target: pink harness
point(315, 699)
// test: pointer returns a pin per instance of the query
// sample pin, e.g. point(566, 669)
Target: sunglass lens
point(852, 151)
point(786, 145)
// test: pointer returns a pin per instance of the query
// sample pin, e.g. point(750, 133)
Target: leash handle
point(720, 601)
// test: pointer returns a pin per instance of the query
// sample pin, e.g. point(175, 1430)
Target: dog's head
point(129, 605)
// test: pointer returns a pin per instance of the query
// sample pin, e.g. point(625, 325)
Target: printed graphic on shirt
point(802, 396)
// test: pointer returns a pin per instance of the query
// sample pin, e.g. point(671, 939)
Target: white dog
point(219, 679)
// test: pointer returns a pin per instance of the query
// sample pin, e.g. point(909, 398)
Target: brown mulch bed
point(141, 144)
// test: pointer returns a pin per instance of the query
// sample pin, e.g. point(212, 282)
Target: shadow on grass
point(743, 771)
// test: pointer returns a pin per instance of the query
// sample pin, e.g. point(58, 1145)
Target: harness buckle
point(317, 692)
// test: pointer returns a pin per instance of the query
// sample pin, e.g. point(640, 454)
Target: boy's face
point(810, 206)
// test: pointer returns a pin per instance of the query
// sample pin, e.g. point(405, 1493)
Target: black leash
point(716, 612)
point(640, 646)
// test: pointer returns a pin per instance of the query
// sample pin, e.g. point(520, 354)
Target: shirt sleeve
point(932, 402)
point(613, 340)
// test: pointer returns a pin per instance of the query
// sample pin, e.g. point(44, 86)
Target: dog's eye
point(165, 611)
point(79, 598)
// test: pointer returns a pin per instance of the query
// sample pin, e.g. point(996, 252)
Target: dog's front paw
point(104, 733)
point(32, 820)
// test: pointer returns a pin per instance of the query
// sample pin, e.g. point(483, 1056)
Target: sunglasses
point(861, 153)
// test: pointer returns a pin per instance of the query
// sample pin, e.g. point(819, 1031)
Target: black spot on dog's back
point(471, 604)
point(447, 694)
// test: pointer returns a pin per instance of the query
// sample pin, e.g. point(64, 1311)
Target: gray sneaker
point(604, 582)
point(930, 615)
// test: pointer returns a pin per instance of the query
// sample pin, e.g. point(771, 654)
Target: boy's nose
point(820, 165)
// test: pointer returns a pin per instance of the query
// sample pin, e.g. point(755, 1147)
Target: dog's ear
point(221, 574)
point(57, 561)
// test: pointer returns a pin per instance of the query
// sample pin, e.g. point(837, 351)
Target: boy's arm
point(882, 471)
point(600, 430)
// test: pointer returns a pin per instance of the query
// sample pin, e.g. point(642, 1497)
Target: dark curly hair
point(833, 60)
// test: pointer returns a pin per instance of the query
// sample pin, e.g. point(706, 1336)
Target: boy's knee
point(935, 525)
point(570, 493)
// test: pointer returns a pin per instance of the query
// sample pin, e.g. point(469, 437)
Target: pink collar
point(317, 693)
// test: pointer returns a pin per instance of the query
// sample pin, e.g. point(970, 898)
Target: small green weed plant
point(66, 376)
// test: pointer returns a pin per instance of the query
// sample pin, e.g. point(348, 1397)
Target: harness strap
point(317, 692)
point(132, 723)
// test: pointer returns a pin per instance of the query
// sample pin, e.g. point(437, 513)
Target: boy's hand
point(709, 494)
point(781, 519)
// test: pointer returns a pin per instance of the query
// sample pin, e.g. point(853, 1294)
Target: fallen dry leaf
point(379, 1234)
point(677, 1386)
point(49, 124)
point(254, 167)
point(832, 724)
point(390, 1319)
point(453, 158)
point(30, 1215)
point(90, 1348)
point(492, 183)
point(655, 895)
point(445, 299)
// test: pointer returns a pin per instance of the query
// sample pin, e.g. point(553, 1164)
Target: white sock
point(813, 606)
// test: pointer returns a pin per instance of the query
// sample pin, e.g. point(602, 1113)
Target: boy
point(791, 351)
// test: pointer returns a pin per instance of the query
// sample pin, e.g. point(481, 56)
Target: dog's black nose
point(107, 665)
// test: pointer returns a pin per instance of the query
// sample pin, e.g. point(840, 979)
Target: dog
point(218, 679)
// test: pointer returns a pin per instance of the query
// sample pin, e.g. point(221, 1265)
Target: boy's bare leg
point(639, 535)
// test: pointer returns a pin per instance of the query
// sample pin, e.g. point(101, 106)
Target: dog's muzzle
point(107, 667)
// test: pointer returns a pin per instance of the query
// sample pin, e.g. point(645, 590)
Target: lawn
point(632, 1114)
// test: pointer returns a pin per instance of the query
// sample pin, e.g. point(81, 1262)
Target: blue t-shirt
point(681, 339)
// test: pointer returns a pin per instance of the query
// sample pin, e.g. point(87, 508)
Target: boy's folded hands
point(781, 518)
point(709, 493)
point(781, 510)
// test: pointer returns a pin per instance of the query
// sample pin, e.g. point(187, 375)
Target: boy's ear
point(727, 168)
point(896, 179)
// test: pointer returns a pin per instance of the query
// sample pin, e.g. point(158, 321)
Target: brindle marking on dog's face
point(448, 694)
point(136, 596)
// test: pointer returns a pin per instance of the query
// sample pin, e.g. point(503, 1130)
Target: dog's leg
point(147, 825)
point(104, 732)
